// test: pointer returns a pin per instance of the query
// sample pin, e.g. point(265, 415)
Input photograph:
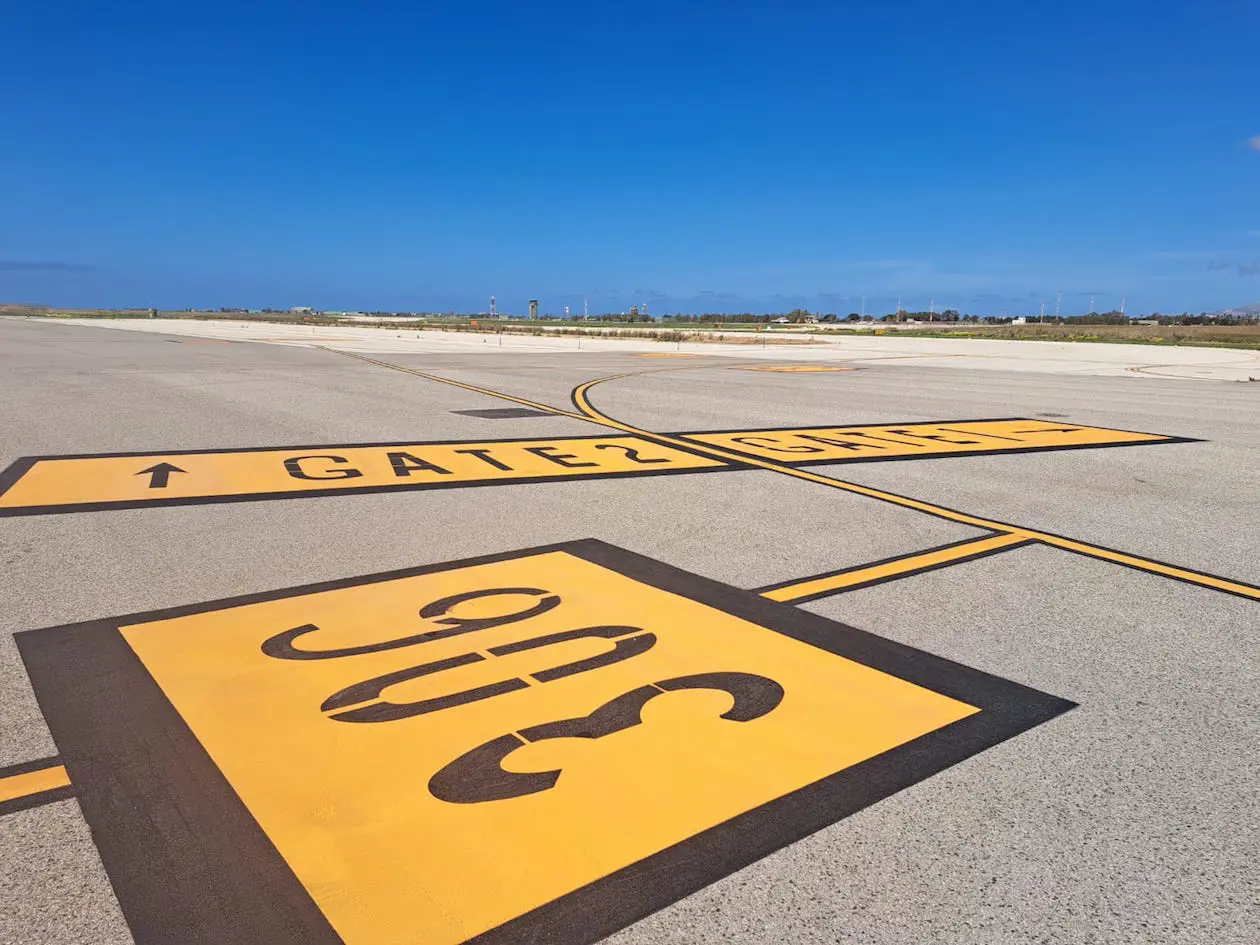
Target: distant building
point(302, 310)
point(533, 308)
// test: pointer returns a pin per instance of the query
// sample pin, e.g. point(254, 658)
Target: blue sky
point(698, 157)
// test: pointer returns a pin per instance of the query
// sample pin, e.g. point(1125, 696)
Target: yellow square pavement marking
point(418, 804)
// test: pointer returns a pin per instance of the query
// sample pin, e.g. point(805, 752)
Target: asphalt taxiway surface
point(1051, 736)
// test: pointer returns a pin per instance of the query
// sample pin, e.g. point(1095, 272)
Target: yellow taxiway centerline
point(591, 413)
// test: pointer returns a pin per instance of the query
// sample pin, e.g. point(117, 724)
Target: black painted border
point(189, 863)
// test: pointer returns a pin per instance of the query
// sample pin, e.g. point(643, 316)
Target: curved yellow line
point(583, 403)
point(591, 413)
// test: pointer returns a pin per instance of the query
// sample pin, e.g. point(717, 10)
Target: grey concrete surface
point(52, 885)
point(1130, 819)
point(1191, 504)
point(964, 354)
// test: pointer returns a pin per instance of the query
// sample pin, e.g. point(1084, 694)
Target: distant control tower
point(492, 315)
point(533, 308)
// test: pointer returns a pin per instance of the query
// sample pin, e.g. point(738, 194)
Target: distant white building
point(302, 310)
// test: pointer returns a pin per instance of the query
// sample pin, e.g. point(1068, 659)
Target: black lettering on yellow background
point(919, 440)
point(37, 485)
point(80, 483)
point(587, 733)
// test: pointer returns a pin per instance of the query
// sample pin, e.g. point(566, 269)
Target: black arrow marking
point(160, 474)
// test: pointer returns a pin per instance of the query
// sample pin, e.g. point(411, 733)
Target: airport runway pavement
point(890, 652)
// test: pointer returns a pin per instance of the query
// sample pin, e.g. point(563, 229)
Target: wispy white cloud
point(1254, 142)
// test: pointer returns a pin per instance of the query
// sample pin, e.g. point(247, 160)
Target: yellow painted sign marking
point(37, 485)
point(547, 744)
point(17, 786)
point(908, 440)
point(55, 483)
point(436, 755)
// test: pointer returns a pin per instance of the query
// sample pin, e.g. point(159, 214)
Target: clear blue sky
point(699, 156)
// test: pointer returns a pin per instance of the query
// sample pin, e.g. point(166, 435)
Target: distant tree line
point(803, 316)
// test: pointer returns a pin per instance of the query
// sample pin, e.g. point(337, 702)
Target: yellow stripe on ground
point(446, 380)
point(17, 786)
point(810, 445)
point(812, 587)
point(1093, 551)
point(350, 813)
point(1147, 564)
point(589, 412)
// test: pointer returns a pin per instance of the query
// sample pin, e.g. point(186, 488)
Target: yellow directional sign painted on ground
point(45, 484)
point(70, 483)
point(579, 735)
point(925, 440)
point(547, 744)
